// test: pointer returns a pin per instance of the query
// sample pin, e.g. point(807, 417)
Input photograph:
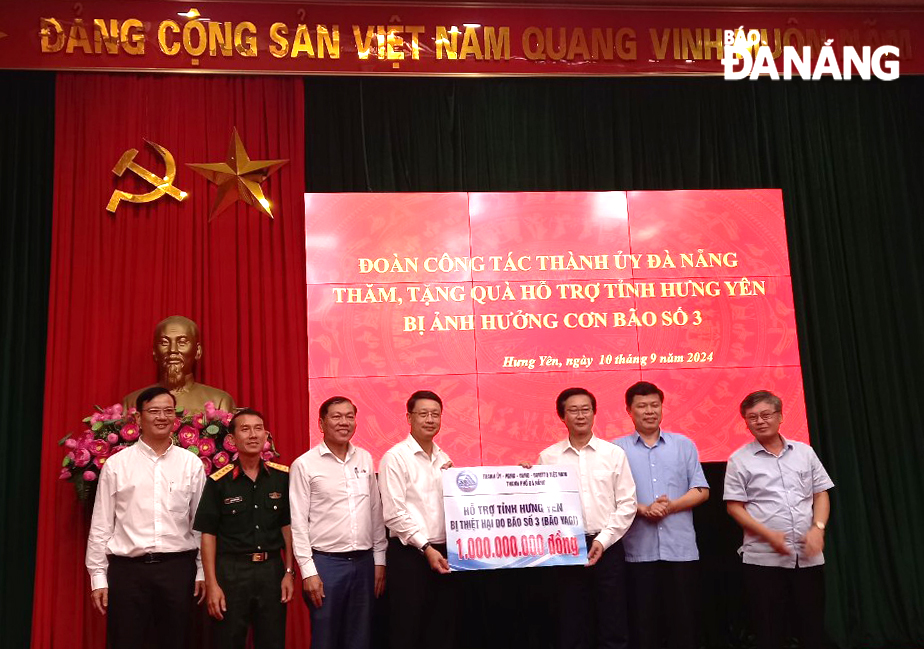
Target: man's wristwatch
point(423, 548)
point(290, 571)
point(819, 525)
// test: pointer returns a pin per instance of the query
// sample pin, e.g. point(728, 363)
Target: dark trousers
point(663, 600)
point(344, 620)
point(591, 602)
point(421, 603)
point(150, 604)
point(780, 595)
point(253, 591)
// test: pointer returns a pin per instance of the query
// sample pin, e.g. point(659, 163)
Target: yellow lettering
point(78, 38)
point(301, 44)
point(497, 43)
point(171, 48)
point(280, 46)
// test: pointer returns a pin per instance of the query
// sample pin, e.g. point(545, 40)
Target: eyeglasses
point(427, 414)
point(765, 416)
point(574, 412)
point(157, 412)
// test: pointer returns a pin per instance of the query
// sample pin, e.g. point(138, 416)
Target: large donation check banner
point(498, 301)
point(511, 517)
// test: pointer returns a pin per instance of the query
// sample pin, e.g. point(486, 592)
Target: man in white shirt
point(421, 606)
point(591, 601)
point(142, 554)
point(337, 531)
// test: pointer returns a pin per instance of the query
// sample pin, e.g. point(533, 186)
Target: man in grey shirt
point(777, 491)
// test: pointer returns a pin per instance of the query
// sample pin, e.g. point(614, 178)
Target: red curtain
point(113, 277)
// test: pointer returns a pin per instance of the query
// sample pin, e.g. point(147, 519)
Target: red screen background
point(559, 268)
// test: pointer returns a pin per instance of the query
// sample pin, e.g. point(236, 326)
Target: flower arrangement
point(110, 430)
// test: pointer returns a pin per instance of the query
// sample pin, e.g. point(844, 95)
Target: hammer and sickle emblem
point(161, 185)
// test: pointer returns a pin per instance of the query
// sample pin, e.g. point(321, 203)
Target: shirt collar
point(757, 447)
point(592, 443)
point(324, 450)
point(416, 448)
point(150, 452)
point(637, 438)
point(238, 471)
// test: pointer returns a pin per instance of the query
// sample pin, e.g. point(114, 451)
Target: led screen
point(498, 301)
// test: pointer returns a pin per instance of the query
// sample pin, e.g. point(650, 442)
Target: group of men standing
point(342, 525)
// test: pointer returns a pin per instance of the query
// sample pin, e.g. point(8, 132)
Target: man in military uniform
point(247, 543)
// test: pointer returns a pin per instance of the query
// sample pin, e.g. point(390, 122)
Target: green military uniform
point(247, 518)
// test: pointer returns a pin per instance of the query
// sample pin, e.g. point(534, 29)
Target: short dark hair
point(573, 392)
point(333, 401)
point(757, 397)
point(150, 394)
point(241, 413)
point(642, 389)
point(423, 394)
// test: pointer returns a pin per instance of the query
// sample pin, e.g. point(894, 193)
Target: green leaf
point(95, 427)
point(212, 429)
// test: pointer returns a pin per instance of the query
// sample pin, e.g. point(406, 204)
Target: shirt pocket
point(677, 479)
point(603, 478)
point(804, 483)
point(360, 484)
point(272, 506)
point(179, 499)
point(233, 519)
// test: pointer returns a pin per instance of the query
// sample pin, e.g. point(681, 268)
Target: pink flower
point(130, 432)
point(188, 436)
point(85, 439)
point(132, 412)
point(116, 411)
point(226, 419)
point(267, 446)
point(112, 438)
point(95, 417)
point(116, 449)
point(229, 445)
point(177, 422)
point(100, 460)
point(221, 459)
point(70, 443)
point(207, 463)
point(267, 455)
point(64, 475)
point(70, 456)
point(99, 447)
point(209, 410)
point(89, 476)
point(82, 457)
point(207, 447)
point(198, 421)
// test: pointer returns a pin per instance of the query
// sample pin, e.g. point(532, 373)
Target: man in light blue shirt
point(661, 552)
point(777, 491)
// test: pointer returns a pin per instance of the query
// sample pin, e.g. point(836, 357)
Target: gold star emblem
point(238, 178)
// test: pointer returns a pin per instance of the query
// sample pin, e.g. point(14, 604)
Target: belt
point(154, 557)
point(252, 557)
point(352, 554)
